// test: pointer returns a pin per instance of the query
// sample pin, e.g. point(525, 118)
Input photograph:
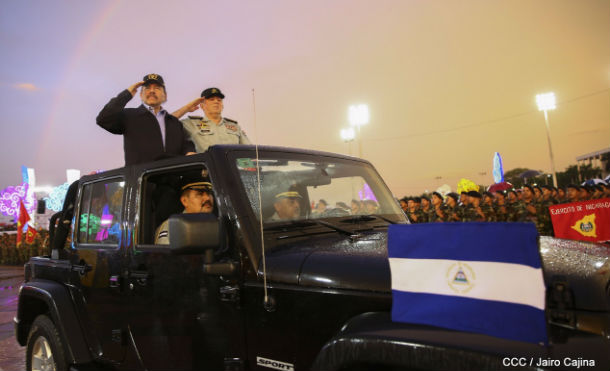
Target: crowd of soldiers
point(529, 204)
point(10, 254)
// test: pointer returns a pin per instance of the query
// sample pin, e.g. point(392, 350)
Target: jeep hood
point(338, 262)
point(332, 261)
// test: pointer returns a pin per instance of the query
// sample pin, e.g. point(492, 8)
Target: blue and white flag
point(477, 277)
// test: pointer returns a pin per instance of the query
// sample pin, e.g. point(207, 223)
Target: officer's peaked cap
point(212, 92)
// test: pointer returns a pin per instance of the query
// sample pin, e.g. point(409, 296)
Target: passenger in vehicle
point(343, 206)
point(287, 206)
point(320, 208)
point(370, 206)
point(196, 197)
point(211, 128)
point(149, 132)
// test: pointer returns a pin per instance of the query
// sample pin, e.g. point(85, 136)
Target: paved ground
point(12, 355)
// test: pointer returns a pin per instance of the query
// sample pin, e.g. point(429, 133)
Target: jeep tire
point(45, 350)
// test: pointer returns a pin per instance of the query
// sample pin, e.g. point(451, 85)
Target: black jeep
point(239, 289)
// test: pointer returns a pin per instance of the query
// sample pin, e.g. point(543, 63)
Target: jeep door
point(177, 318)
point(97, 259)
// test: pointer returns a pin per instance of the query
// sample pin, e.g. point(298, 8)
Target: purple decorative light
point(367, 193)
point(9, 200)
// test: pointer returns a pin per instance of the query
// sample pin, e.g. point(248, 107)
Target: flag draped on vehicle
point(477, 277)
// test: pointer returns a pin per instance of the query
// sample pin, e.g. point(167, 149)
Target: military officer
point(287, 206)
point(211, 128)
point(196, 197)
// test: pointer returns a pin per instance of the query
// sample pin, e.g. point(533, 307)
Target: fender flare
point(36, 297)
point(373, 340)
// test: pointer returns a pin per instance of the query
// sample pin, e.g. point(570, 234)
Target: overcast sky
point(448, 83)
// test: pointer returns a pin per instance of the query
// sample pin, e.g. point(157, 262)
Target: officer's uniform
point(275, 217)
point(205, 132)
point(162, 234)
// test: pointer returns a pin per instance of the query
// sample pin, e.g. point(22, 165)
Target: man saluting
point(149, 132)
point(212, 128)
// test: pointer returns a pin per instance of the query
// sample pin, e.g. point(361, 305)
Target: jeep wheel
point(45, 352)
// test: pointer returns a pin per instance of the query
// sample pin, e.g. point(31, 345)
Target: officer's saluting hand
point(191, 106)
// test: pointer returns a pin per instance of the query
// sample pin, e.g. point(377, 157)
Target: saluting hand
point(194, 104)
point(134, 88)
point(189, 107)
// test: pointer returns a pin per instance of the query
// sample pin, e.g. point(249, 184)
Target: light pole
point(348, 135)
point(358, 115)
point(546, 102)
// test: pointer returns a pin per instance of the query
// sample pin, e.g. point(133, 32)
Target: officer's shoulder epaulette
point(195, 117)
point(230, 120)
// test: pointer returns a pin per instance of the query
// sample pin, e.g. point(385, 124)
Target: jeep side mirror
point(194, 233)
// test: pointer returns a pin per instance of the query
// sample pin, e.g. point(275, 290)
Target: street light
point(546, 102)
point(358, 115)
point(348, 135)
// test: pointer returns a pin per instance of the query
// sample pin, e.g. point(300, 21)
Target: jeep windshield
point(297, 187)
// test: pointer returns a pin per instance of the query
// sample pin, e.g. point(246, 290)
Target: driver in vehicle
point(196, 197)
point(287, 206)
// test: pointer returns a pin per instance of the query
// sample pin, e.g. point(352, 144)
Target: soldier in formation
point(528, 204)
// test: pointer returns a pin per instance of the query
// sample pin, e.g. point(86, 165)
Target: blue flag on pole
point(476, 277)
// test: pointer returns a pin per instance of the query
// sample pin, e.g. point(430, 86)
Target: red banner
point(585, 220)
point(24, 217)
point(30, 235)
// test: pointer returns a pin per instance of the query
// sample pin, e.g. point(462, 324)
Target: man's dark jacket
point(142, 139)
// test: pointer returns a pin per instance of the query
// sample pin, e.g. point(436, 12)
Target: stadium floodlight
point(347, 135)
point(358, 115)
point(546, 101)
